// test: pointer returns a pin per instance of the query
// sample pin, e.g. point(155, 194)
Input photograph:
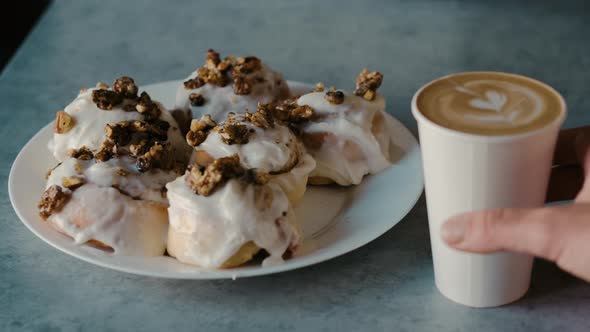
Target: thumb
point(528, 231)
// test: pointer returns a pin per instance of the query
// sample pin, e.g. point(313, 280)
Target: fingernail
point(453, 231)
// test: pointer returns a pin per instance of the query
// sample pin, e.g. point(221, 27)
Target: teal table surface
point(385, 285)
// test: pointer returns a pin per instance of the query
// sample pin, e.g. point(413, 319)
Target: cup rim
point(422, 119)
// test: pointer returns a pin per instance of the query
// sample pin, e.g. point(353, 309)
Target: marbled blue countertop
point(386, 285)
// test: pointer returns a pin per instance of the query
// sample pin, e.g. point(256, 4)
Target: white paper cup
point(466, 172)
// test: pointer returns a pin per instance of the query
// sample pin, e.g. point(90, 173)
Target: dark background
point(16, 22)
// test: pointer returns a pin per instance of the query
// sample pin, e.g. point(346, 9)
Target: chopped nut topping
point(368, 81)
point(157, 156)
point(147, 107)
point(141, 140)
point(82, 153)
point(319, 87)
point(203, 182)
point(63, 122)
point(130, 106)
point(194, 83)
point(247, 65)
point(217, 72)
point(106, 99)
point(106, 152)
point(291, 113)
point(263, 117)
point(143, 164)
point(195, 138)
point(125, 86)
point(335, 97)
point(225, 65)
point(369, 95)
point(242, 86)
point(102, 85)
point(196, 99)
point(52, 201)
point(72, 182)
point(139, 145)
point(212, 60)
point(159, 130)
point(199, 130)
point(234, 133)
point(119, 133)
point(213, 76)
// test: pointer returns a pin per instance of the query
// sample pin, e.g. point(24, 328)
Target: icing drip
point(353, 140)
point(215, 227)
point(134, 223)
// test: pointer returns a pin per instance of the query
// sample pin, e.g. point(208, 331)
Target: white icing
point(145, 186)
point(267, 149)
point(219, 101)
point(270, 150)
point(218, 225)
point(348, 124)
point(90, 122)
point(127, 225)
point(124, 224)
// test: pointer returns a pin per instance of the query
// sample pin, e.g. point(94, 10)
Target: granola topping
point(292, 113)
point(143, 140)
point(367, 84)
point(82, 153)
point(149, 109)
point(242, 85)
point(335, 97)
point(194, 83)
point(72, 182)
point(223, 72)
point(106, 99)
point(213, 76)
point(212, 59)
point(263, 117)
point(63, 122)
point(247, 65)
point(125, 86)
point(158, 156)
point(107, 151)
point(199, 130)
point(234, 132)
point(52, 201)
point(196, 99)
point(204, 180)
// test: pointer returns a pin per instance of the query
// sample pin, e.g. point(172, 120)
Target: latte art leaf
point(495, 101)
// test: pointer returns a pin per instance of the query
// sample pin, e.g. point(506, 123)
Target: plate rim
point(305, 261)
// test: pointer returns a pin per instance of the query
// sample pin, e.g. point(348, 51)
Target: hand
point(558, 233)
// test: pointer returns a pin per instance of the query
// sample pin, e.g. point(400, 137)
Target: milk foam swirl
point(489, 103)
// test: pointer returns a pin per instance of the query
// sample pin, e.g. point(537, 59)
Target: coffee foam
point(490, 103)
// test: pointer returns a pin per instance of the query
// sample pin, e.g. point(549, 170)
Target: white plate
point(334, 220)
